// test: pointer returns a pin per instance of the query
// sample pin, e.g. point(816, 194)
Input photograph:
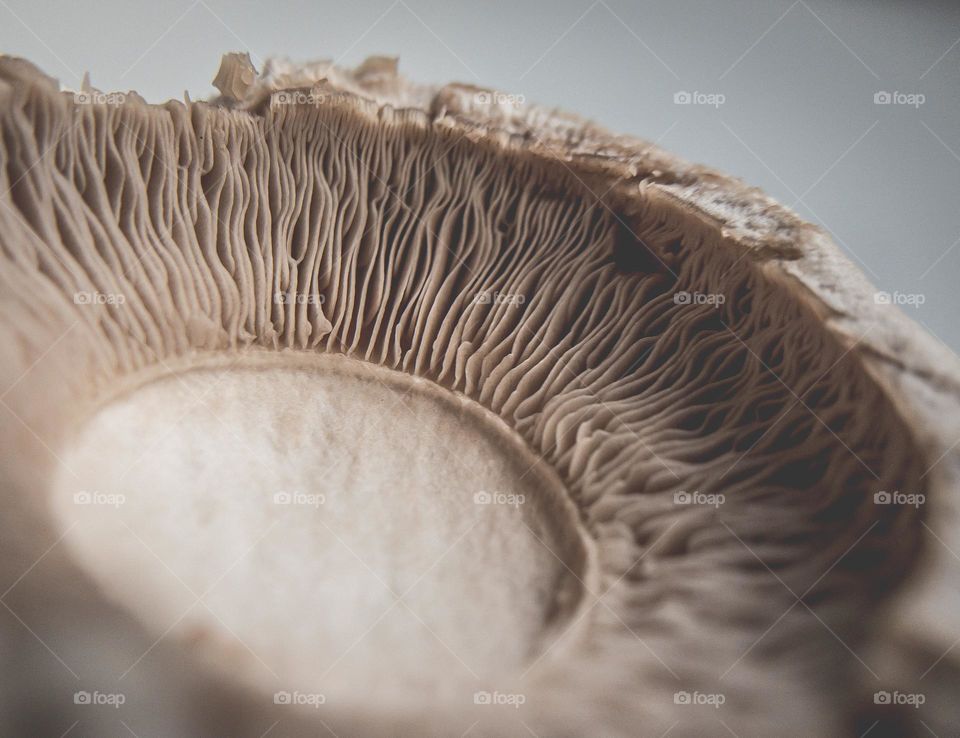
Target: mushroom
point(342, 402)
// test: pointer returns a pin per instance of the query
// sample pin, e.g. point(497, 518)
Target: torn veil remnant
point(362, 387)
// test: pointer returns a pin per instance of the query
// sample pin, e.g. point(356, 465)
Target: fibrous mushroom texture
point(342, 402)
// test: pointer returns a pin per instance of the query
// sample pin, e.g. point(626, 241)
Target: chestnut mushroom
point(339, 402)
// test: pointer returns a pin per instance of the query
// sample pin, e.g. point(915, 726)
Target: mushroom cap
point(734, 429)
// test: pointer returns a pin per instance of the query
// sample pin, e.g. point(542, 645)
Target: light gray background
point(798, 78)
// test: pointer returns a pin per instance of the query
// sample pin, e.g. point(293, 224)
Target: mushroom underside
point(296, 366)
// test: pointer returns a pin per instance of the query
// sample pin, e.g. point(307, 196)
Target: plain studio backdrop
point(845, 111)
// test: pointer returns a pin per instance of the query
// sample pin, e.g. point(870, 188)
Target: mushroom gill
point(429, 413)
